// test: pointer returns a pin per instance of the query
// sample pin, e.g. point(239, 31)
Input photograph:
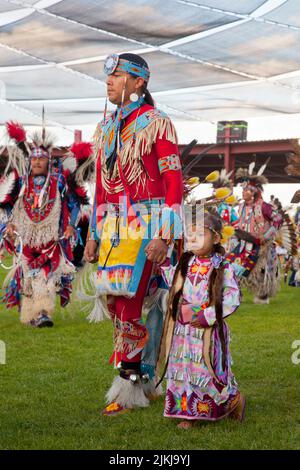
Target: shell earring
point(134, 97)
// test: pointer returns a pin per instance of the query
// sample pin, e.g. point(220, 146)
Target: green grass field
point(53, 385)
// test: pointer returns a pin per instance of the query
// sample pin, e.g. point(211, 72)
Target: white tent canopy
point(210, 60)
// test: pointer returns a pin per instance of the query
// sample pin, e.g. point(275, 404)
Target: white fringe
point(87, 292)
point(264, 284)
point(3, 216)
point(104, 286)
point(40, 233)
point(130, 155)
point(99, 311)
point(16, 160)
point(127, 394)
point(11, 273)
point(39, 292)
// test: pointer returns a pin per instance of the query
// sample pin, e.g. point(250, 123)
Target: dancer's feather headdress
point(20, 154)
point(41, 146)
point(247, 176)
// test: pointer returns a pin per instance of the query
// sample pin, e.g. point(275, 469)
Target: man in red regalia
point(136, 215)
point(42, 203)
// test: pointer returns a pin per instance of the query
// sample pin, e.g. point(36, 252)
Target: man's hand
point(69, 232)
point(10, 229)
point(91, 251)
point(157, 251)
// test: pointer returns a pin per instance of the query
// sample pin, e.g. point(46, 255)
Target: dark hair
point(215, 287)
point(207, 218)
point(138, 60)
point(256, 191)
point(147, 95)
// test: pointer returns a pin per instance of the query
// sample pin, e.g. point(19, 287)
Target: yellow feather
point(213, 176)
point(193, 180)
point(227, 231)
point(222, 193)
point(231, 199)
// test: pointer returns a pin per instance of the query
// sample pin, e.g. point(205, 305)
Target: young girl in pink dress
point(203, 291)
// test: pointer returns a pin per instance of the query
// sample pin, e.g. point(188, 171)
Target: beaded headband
point(114, 64)
point(38, 152)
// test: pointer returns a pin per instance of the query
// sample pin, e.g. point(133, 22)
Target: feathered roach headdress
point(248, 178)
point(41, 145)
point(20, 156)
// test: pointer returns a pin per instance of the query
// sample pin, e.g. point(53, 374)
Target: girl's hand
point(196, 324)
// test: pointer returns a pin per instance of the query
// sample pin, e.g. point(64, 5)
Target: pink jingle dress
point(198, 388)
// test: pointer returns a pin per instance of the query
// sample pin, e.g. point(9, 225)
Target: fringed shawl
point(36, 234)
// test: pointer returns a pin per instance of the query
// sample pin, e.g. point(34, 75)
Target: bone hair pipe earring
point(124, 89)
point(121, 113)
point(105, 108)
